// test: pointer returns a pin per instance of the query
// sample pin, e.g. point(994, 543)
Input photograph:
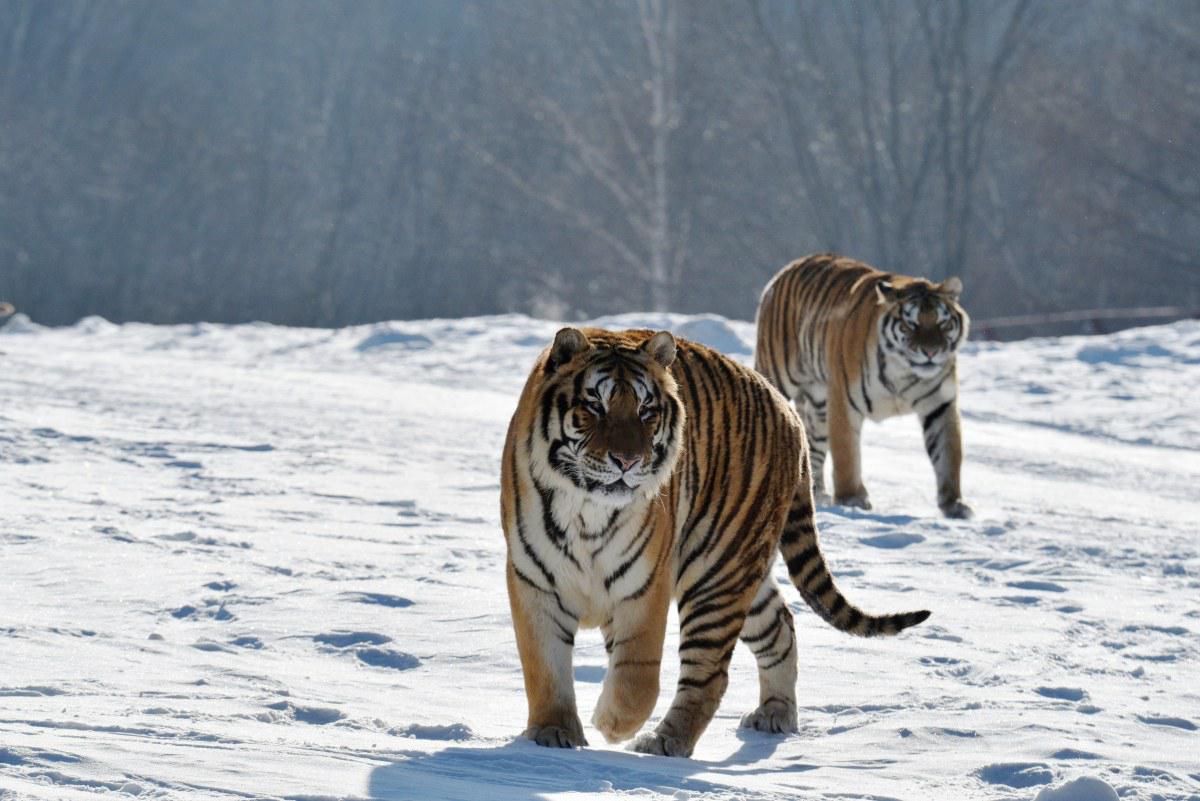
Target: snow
point(1085, 788)
point(264, 562)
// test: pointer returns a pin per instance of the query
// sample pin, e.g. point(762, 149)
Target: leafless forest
point(326, 163)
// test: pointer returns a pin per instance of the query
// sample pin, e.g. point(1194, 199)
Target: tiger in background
point(638, 468)
point(847, 342)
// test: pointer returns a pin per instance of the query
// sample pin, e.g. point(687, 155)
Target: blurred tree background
point(328, 163)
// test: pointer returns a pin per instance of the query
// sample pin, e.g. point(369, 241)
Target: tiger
point(638, 468)
point(847, 342)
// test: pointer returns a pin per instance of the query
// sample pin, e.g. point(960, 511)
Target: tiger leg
point(770, 633)
point(845, 428)
point(545, 639)
point(634, 640)
point(943, 443)
point(712, 612)
point(812, 406)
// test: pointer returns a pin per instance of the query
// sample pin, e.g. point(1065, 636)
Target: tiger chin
point(639, 469)
point(846, 342)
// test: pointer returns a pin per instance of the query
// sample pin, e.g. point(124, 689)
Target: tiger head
point(609, 419)
point(921, 323)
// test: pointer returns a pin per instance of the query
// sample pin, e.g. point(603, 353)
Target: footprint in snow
point(893, 541)
point(1074, 753)
point(348, 639)
point(215, 610)
point(247, 641)
point(387, 658)
point(1037, 586)
point(314, 715)
point(378, 599)
point(1062, 693)
point(1177, 723)
point(452, 731)
point(1016, 774)
point(362, 645)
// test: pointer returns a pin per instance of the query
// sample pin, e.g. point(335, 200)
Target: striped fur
point(845, 343)
point(638, 469)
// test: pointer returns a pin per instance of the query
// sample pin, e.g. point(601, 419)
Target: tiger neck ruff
point(640, 468)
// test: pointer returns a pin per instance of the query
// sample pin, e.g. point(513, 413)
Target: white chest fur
point(596, 562)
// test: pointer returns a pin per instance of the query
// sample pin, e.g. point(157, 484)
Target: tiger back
point(846, 343)
point(637, 469)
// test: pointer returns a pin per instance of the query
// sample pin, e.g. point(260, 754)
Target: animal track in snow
point(1062, 693)
point(314, 715)
point(893, 541)
point(1178, 723)
point(348, 639)
point(452, 731)
point(379, 599)
point(1016, 774)
point(1037, 586)
point(387, 658)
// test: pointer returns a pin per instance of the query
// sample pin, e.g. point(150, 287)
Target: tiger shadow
point(521, 771)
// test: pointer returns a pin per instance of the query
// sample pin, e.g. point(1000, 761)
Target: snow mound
point(1125, 386)
point(20, 324)
point(1085, 788)
point(732, 337)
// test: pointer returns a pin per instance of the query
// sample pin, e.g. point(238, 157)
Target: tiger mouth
point(620, 485)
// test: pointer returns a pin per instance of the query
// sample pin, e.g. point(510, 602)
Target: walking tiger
point(640, 468)
point(846, 342)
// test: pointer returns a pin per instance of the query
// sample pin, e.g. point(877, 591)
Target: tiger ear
point(661, 348)
point(952, 286)
point(568, 342)
point(885, 291)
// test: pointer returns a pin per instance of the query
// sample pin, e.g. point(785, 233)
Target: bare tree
point(615, 143)
point(888, 107)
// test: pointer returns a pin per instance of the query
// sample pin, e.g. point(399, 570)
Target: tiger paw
point(775, 717)
point(957, 510)
point(557, 736)
point(660, 745)
point(619, 722)
point(858, 500)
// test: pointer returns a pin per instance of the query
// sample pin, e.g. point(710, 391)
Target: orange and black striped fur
point(638, 469)
point(846, 342)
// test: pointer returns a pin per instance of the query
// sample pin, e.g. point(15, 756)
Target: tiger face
point(610, 418)
point(922, 324)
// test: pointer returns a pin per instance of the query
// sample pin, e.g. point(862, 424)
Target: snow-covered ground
point(263, 562)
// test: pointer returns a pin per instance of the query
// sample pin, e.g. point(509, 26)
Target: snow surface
point(263, 562)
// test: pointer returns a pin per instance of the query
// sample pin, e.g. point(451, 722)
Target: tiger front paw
point(660, 745)
point(619, 721)
point(857, 500)
point(569, 736)
point(957, 510)
point(774, 717)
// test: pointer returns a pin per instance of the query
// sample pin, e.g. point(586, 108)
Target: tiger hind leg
point(770, 632)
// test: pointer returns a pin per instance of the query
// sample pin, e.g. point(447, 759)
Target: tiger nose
point(929, 352)
point(625, 461)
